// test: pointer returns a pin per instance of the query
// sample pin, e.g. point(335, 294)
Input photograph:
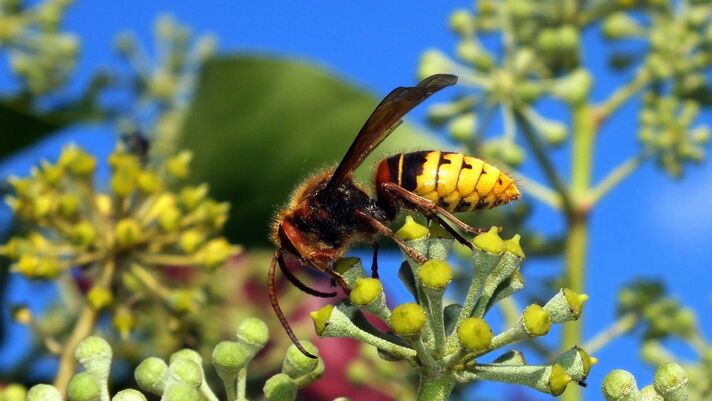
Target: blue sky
point(652, 226)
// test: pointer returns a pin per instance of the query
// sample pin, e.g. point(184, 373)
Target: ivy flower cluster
point(453, 343)
point(661, 317)
point(116, 245)
point(669, 384)
point(162, 87)
point(40, 54)
point(138, 224)
point(182, 377)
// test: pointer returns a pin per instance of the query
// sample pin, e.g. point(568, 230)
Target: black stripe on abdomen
point(412, 168)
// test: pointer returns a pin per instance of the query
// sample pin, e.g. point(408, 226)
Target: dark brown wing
point(384, 119)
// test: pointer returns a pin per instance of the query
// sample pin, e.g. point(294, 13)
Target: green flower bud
point(332, 322)
point(95, 354)
point(83, 233)
point(411, 230)
point(536, 320)
point(179, 165)
point(351, 269)
point(77, 161)
point(577, 363)
point(573, 88)
point(186, 371)
point(148, 182)
point(215, 253)
point(558, 380)
point(150, 375)
point(123, 184)
point(408, 319)
point(566, 305)
point(475, 334)
point(280, 387)
point(129, 395)
point(229, 357)
point(620, 385)
point(181, 392)
point(321, 318)
point(512, 245)
point(47, 268)
point(123, 321)
point(69, 205)
point(648, 394)
point(190, 240)
point(43, 392)
point(671, 382)
point(620, 25)
point(190, 197)
point(84, 386)
point(186, 300)
point(490, 242)
point(42, 206)
point(13, 392)
point(433, 62)
point(435, 274)
point(365, 291)
point(463, 127)
point(99, 298)
point(253, 332)
point(553, 132)
point(296, 364)
point(462, 22)
point(127, 232)
point(169, 219)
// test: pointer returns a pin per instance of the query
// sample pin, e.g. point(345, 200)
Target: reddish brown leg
point(458, 237)
point(278, 310)
point(387, 232)
point(297, 283)
point(428, 207)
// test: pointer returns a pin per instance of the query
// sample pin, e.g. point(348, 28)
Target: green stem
point(242, 384)
point(434, 388)
point(616, 176)
point(576, 248)
point(620, 326)
point(539, 150)
point(82, 329)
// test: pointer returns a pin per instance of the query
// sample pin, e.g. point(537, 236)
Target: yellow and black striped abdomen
point(456, 182)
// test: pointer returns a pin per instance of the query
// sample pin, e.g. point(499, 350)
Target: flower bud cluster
point(167, 85)
point(182, 377)
point(40, 54)
point(669, 384)
point(449, 339)
point(668, 131)
point(663, 317)
point(138, 227)
point(540, 59)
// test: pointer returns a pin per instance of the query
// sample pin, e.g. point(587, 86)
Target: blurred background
point(290, 86)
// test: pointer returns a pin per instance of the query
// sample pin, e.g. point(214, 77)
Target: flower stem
point(620, 326)
point(82, 328)
point(434, 388)
point(67, 364)
point(576, 248)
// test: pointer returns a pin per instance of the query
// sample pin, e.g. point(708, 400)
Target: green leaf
point(21, 127)
point(259, 126)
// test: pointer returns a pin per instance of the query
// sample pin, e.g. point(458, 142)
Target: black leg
point(374, 263)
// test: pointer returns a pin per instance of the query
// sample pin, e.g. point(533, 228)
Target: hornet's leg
point(430, 208)
point(387, 232)
point(458, 237)
point(374, 263)
point(297, 283)
point(278, 310)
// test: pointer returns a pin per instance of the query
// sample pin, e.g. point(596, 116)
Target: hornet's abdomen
point(456, 182)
